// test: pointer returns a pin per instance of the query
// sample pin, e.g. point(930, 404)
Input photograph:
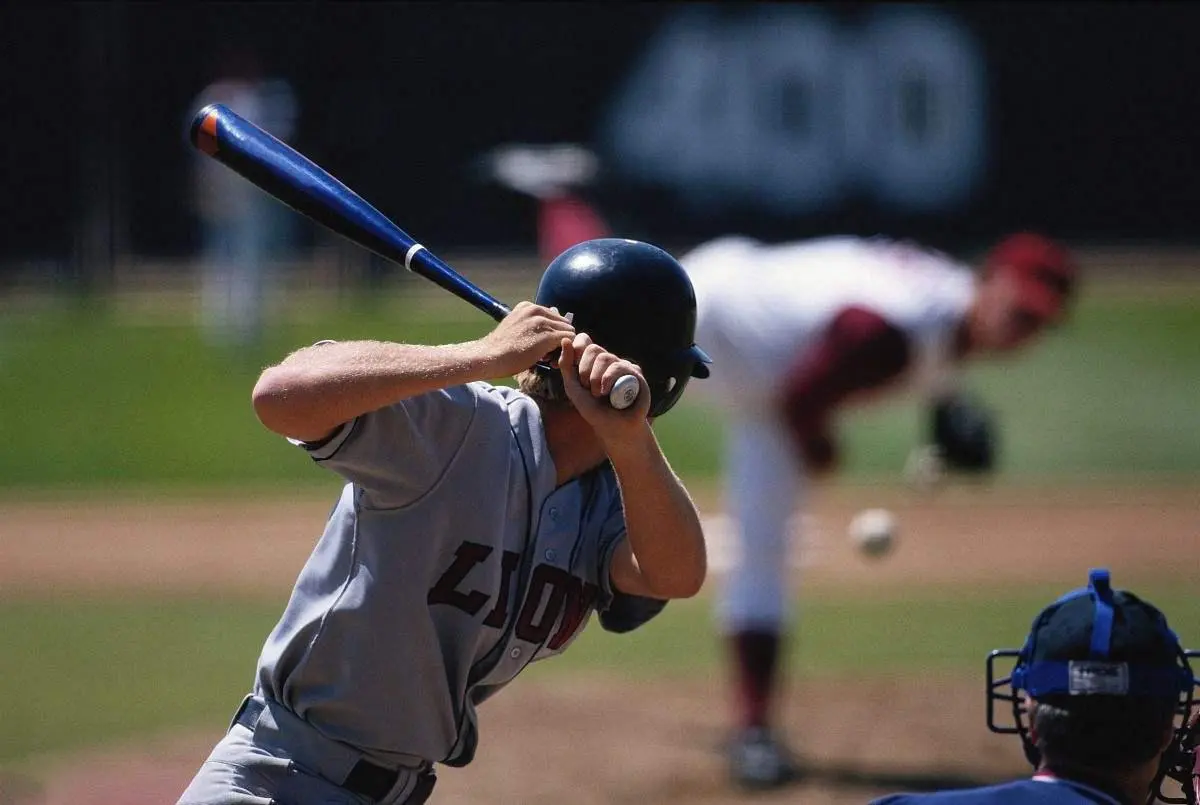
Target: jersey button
point(553, 514)
point(515, 653)
point(551, 554)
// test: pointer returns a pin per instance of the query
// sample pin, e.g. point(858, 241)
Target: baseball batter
point(799, 332)
point(479, 528)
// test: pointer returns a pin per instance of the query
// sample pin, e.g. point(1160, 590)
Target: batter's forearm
point(316, 389)
point(662, 523)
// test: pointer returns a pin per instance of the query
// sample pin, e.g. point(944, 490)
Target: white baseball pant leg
point(763, 488)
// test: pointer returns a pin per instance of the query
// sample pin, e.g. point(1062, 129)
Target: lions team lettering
point(466, 556)
point(554, 594)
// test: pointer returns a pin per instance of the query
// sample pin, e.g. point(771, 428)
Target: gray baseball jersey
point(448, 564)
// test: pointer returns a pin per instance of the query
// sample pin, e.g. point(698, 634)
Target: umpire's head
point(1098, 686)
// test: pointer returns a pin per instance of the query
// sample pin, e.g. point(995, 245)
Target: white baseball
point(873, 531)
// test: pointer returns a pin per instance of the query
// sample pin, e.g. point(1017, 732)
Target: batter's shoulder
point(517, 405)
point(487, 396)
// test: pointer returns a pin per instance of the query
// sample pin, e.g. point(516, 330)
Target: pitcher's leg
point(762, 489)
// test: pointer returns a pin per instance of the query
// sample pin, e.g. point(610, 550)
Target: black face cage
point(1178, 762)
point(1181, 764)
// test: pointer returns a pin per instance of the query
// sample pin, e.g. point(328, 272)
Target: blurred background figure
point(554, 175)
point(245, 231)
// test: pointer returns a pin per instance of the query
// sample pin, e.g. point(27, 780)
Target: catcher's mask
point(1097, 642)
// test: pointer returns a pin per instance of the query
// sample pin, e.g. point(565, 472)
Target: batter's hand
point(525, 336)
point(589, 372)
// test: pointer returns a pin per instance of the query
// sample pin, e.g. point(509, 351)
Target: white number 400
point(785, 109)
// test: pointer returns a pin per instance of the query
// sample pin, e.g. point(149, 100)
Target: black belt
point(366, 778)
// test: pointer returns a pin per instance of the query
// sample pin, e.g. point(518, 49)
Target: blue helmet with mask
point(1099, 642)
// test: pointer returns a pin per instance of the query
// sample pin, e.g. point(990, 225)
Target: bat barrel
point(307, 188)
point(280, 170)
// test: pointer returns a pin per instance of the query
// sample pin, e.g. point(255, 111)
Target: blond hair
point(542, 386)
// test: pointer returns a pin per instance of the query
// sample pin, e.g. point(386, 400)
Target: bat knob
point(624, 392)
point(203, 130)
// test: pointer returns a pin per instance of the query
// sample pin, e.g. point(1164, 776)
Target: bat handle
point(624, 392)
point(420, 260)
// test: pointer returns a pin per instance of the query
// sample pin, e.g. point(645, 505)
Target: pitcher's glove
point(964, 433)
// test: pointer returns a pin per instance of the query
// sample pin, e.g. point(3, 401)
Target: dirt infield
point(602, 740)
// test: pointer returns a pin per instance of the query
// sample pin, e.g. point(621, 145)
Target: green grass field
point(93, 401)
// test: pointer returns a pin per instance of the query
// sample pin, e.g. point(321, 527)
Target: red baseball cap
point(1045, 272)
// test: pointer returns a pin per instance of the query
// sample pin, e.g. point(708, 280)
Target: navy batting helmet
point(636, 301)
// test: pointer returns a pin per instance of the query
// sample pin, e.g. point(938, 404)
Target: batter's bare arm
point(664, 554)
point(316, 389)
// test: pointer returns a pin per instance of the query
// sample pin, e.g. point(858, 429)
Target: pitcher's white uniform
point(770, 317)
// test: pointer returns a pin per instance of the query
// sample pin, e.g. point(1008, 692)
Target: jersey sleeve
point(620, 612)
point(859, 351)
point(627, 612)
point(397, 453)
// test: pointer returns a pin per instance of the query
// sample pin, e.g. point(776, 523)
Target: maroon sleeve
point(859, 351)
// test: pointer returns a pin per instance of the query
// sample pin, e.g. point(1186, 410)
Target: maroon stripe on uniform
point(858, 352)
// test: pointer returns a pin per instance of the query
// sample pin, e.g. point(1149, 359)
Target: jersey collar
point(1089, 789)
